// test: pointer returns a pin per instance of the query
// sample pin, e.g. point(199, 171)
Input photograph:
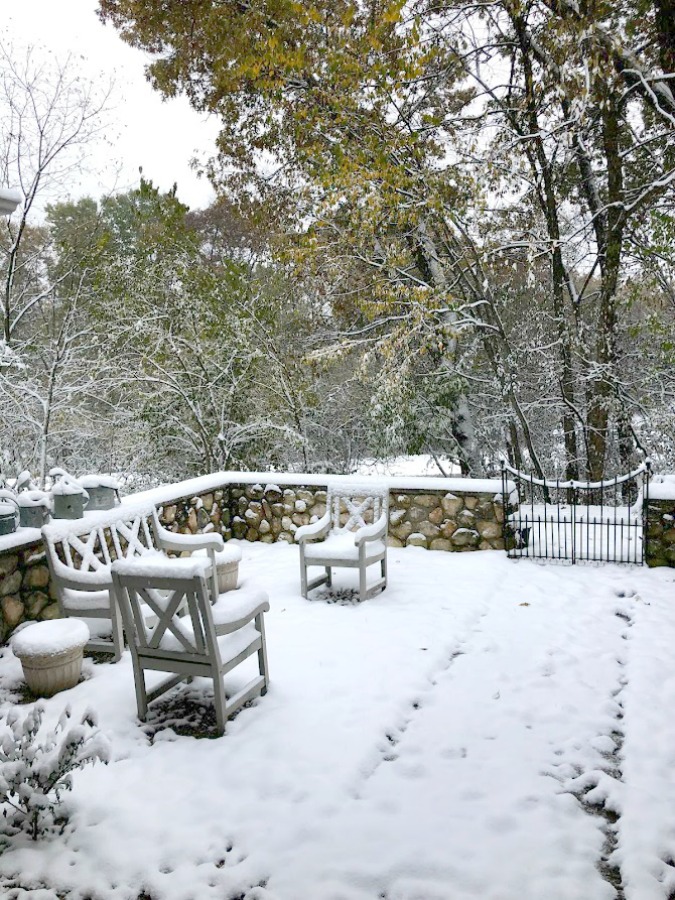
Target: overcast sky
point(160, 136)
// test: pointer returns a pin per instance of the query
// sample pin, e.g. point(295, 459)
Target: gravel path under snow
point(483, 729)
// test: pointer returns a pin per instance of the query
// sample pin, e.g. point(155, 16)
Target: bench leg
point(220, 701)
point(262, 653)
point(117, 631)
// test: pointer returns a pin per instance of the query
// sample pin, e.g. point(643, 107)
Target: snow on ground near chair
point(445, 740)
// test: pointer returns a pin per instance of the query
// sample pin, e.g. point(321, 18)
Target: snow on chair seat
point(342, 546)
point(191, 644)
point(352, 533)
point(76, 601)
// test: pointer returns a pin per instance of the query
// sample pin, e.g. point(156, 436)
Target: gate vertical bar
point(616, 501)
point(573, 518)
point(645, 504)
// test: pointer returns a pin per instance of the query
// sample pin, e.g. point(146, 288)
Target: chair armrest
point(178, 543)
point(235, 608)
point(315, 530)
point(372, 532)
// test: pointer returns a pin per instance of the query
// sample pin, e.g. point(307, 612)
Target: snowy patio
point(454, 737)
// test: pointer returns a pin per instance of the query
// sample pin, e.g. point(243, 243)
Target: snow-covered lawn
point(456, 737)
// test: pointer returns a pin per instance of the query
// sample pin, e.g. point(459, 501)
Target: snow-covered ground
point(483, 729)
point(419, 464)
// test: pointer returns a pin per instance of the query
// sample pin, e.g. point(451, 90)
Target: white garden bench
point(80, 555)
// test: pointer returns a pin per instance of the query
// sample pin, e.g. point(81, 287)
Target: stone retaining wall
point(660, 546)
point(25, 589)
point(436, 520)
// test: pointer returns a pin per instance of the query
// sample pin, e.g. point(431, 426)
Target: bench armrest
point(314, 531)
point(372, 532)
point(178, 543)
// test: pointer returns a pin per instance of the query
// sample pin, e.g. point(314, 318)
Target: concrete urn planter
point(102, 491)
point(9, 517)
point(51, 654)
point(227, 567)
point(69, 499)
point(33, 508)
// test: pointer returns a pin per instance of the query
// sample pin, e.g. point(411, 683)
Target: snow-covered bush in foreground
point(34, 774)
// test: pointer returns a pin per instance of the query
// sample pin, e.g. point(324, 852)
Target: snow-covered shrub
point(35, 773)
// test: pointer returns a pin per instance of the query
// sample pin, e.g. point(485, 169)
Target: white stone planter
point(51, 654)
point(227, 567)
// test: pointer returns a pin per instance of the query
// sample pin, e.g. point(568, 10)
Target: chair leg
point(141, 692)
point(329, 576)
point(262, 653)
point(384, 572)
point(303, 574)
point(363, 590)
point(219, 701)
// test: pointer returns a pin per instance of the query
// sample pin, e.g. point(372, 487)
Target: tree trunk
point(602, 387)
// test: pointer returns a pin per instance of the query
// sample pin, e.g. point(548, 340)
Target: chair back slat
point(147, 535)
point(84, 554)
point(353, 506)
point(105, 549)
point(67, 554)
point(114, 534)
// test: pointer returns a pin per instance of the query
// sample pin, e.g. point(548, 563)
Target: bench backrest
point(90, 548)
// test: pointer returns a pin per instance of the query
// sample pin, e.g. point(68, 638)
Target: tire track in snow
point(386, 749)
point(594, 789)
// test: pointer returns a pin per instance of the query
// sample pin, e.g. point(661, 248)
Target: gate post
point(505, 504)
point(645, 507)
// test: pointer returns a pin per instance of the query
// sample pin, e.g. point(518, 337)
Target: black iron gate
point(575, 521)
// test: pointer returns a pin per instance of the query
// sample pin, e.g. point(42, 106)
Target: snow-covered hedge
point(36, 769)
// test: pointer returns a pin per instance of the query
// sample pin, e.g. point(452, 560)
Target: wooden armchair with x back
point(352, 533)
point(189, 634)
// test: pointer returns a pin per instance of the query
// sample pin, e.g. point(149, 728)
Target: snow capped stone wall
point(25, 589)
point(442, 520)
point(258, 511)
point(436, 520)
point(660, 548)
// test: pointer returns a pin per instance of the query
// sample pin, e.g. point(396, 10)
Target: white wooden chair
point(80, 555)
point(352, 533)
point(205, 640)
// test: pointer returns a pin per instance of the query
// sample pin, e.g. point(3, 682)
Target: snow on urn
point(69, 495)
point(51, 654)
